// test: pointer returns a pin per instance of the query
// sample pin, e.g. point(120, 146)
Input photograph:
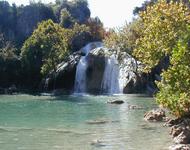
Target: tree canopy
point(166, 33)
point(162, 26)
point(46, 47)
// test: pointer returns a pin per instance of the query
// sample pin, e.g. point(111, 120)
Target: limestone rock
point(155, 115)
point(183, 137)
point(179, 147)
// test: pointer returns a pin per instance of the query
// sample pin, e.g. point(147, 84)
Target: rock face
point(96, 69)
point(64, 76)
point(95, 72)
point(155, 115)
point(29, 17)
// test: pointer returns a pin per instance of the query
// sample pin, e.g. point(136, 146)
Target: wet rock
point(179, 147)
point(183, 137)
point(155, 115)
point(176, 130)
point(171, 122)
point(135, 107)
point(119, 102)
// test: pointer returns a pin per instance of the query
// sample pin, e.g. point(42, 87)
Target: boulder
point(176, 130)
point(183, 137)
point(115, 102)
point(155, 115)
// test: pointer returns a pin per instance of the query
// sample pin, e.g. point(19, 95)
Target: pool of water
point(78, 123)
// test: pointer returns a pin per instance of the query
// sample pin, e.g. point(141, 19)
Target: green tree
point(166, 32)
point(162, 25)
point(175, 86)
point(47, 46)
point(9, 62)
point(124, 38)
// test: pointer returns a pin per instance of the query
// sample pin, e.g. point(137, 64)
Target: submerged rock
point(115, 102)
point(97, 121)
point(101, 121)
point(155, 115)
point(98, 143)
point(134, 107)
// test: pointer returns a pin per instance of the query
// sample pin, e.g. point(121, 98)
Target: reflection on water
point(78, 123)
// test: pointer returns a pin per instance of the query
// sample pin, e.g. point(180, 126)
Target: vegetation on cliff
point(40, 36)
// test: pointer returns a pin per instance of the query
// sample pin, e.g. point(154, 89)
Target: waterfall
point(110, 81)
point(80, 80)
point(118, 74)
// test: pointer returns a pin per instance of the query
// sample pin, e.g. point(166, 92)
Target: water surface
point(77, 123)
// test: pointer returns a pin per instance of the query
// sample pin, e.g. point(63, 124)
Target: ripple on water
point(73, 122)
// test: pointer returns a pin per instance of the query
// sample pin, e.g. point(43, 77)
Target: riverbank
point(179, 128)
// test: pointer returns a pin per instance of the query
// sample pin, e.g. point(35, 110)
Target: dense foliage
point(46, 47)
point(166, 33)
point(163, 24)
point(175, 86)
point(9, 62)
point(41, 43)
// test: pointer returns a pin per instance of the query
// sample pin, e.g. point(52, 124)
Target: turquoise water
point(67, 123)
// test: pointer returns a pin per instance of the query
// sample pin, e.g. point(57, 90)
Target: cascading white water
point(80, 78)
point(117, 75)
point(110, 81)
point(80, 81)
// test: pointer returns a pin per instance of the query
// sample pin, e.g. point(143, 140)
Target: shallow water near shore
point(78, 123)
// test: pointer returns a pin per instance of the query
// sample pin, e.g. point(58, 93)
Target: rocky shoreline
point(180, 128)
